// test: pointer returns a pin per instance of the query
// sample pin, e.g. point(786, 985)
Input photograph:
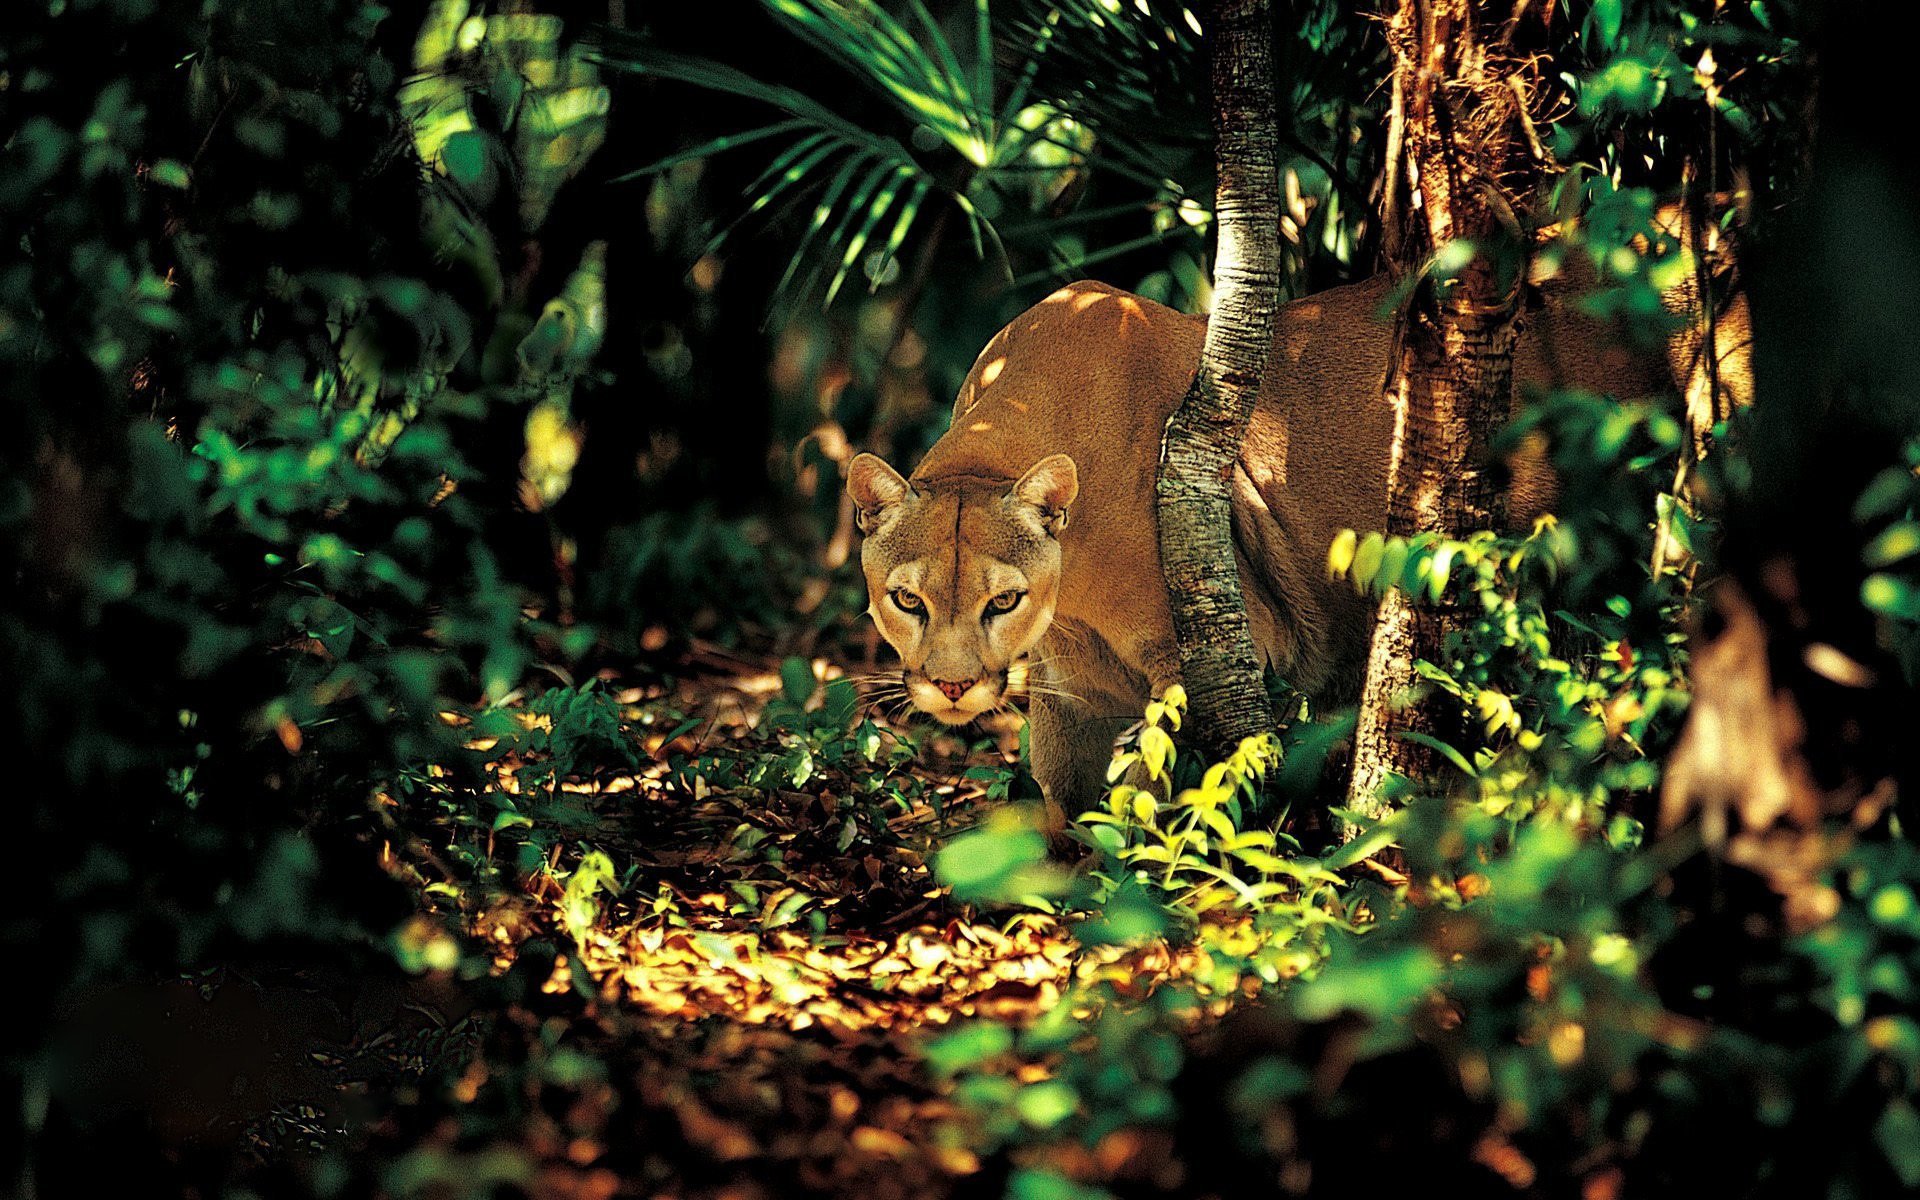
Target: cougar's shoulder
point(1084, 372)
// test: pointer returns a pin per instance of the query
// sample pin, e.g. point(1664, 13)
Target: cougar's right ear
point(875, 487)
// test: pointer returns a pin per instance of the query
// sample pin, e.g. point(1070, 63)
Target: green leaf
point(1898, 1132)
point(1383, 985)
point(1890, 491)
point(1443, 749)
point(1895, 542)
point(1607, 16)
point(710, 148)
point(1892, 596)
point(170, 173)
point(785, 911)
point(797, 683)
point(967, 1046)
point(1156, 750)
point(876, 212)
point(841, 704)
point(1128, 917)
point(1393, 562)
point(1366, 562)
point(1368, 842)
point(465, 157)
point(1340, 554)
point(1437, 578)
point(980, 863)
point(1044, 1105)
point(1040, 1184)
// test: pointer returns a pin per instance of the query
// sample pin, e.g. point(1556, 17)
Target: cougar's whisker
point(1061, 693)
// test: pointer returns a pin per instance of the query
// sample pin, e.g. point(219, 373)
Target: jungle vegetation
point(453, 759)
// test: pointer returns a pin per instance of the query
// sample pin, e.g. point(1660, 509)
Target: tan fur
point(1093, 373)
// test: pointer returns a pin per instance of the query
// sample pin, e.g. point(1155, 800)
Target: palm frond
point(1029, 149)
point(864, 179)
point(708, 149)
point(882, 203)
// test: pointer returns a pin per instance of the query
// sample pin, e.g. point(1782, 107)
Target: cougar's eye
point(907, 602)
point(1005, 602)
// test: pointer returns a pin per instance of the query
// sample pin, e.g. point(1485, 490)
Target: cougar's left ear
point(1050, 486)
point(875, 487)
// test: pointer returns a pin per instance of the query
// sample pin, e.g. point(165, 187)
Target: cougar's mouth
point(953, 703)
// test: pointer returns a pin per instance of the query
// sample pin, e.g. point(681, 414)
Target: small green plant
point(580, 902)
point(813, 735)
point(558, 735)
point(1188, 844)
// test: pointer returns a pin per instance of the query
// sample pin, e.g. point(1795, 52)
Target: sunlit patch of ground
point(755, 999)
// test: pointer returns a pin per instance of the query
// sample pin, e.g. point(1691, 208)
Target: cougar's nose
point(952, 690)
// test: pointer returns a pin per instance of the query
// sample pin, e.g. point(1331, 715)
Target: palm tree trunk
point(1452, 379)
point(1219, 666)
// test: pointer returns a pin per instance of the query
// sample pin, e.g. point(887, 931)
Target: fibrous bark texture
point(1461, 132)
point(1220, 667)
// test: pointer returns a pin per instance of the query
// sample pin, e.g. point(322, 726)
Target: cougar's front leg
point(1083, 696)
point(1068, 758)
point(1071, 746)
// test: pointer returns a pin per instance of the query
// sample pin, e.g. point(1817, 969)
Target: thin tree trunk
point(1452, 378)
point(1220, 668)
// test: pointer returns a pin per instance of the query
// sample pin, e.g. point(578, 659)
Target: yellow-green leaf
point(1340, 555)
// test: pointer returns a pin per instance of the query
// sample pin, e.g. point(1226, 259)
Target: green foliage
point(1016, 140)
point(1110, 1067)
point(813, 732)
point(1005, 862)
point(1523, 946)
point(1171, 862)
point(1889, 511)
point(1135, 78)
point(1650, 78)
point(260, 528)
point(1566, 993)
point(683, 569)
point(551, 108)
point(557, 735)
point(1559, 710)
point(1189, 843)
point(580, 901)
point(270, 305)
point(875, 186)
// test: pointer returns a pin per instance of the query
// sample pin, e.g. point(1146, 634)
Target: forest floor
point(743, 1011)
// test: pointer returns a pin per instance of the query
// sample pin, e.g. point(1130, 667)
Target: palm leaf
point(708, 149)
point(882, 201)
point(1060, 269)
point(786, 173)
point(822, 213)
point(907, 213)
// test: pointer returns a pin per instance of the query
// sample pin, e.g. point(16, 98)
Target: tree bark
point(1220, 667)
point(1451, 383)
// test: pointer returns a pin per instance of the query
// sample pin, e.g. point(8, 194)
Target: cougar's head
point(962, 575)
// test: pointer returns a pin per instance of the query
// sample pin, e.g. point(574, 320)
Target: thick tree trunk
point(1452, 380)
point(1452, 387)
point(1219, 665)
